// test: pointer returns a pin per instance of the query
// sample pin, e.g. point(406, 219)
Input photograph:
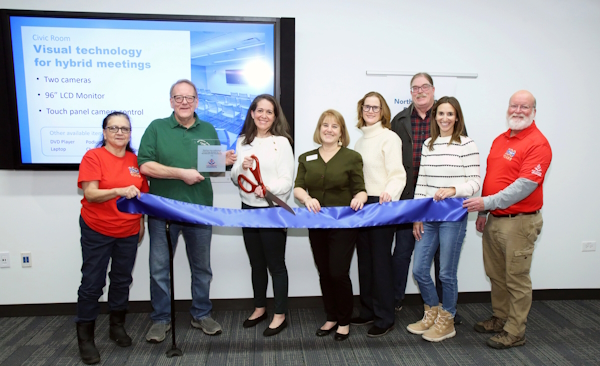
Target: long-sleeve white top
point(276, 167)
point(449, 165)
point(381, 150)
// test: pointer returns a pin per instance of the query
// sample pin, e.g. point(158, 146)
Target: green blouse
point(334, 183)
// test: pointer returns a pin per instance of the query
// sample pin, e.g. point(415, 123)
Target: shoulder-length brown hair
point(280, 125)
point(459, 125)
point(337, 116)
point(386, 115)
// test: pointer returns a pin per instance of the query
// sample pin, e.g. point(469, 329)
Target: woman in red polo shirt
point(105, 174)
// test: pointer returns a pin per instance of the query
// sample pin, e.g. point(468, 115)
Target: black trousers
point(375, 273)
point(333, 250)
point(266, 251)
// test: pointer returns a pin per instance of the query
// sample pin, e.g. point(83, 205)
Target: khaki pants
point(508, 244)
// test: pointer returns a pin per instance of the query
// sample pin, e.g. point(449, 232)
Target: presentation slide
point(70, 73)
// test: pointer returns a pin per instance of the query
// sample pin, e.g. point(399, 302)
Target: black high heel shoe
point(323, 332)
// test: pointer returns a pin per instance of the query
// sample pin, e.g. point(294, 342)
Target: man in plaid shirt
point(412, 125)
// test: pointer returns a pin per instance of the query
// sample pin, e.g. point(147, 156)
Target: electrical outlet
point(25, 259)
point(4, 260)
point(588, 246)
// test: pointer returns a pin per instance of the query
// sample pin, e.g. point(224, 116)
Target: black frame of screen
point(10, 144)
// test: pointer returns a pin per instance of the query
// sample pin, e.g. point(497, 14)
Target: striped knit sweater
point(455, 165)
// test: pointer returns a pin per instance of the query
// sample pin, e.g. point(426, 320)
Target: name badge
point(311, 157)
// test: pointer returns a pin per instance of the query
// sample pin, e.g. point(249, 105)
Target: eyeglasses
point(424, 87)
point(374, 108)
point(179, 98)
point(115, 129)
point(524, 108)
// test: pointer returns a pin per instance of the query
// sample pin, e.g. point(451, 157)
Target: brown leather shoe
point(491, 325)
point(505, 340)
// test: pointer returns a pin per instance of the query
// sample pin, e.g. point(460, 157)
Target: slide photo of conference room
point(230, 69)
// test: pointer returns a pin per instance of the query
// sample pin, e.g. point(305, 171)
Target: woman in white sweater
point(265, 134)
point(385, 178)
point(449, 168)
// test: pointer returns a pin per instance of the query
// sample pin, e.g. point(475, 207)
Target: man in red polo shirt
point(512, 193)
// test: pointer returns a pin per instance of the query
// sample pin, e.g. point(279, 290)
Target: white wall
point(548, 47)
point(199, 76)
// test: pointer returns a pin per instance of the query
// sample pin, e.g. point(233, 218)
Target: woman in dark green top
point(332, 175)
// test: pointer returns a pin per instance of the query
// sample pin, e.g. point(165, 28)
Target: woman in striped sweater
point(449, 168)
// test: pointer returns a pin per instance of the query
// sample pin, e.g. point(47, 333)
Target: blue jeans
point(197, 244)
point(403, 250)
point(449, 237)
point(97, 249)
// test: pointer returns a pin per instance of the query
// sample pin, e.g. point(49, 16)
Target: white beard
point(519, 124)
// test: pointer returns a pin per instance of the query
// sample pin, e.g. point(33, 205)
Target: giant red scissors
point(270, 197)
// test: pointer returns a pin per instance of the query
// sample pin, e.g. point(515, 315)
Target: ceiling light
point(252, 45)
point(238, 59)
point(216, 53)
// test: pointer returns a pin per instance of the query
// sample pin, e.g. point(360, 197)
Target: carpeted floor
point(558, 333)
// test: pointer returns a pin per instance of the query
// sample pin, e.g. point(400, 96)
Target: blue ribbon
point(391, 213)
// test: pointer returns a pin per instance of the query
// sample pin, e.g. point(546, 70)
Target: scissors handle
point(242, 179)
point(256, 172)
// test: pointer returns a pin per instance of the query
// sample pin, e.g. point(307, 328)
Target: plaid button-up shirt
point(420, 133)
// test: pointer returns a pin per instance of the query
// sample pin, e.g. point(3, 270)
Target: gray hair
point(183, 81)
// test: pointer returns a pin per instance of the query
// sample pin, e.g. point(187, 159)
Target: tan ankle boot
point(442, 329)
point(427, 322)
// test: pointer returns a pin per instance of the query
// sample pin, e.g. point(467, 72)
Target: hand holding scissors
point(255, 170)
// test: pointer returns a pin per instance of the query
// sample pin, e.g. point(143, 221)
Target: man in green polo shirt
point(166, 158)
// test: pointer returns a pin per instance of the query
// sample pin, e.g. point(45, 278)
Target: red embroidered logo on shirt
point(537, 171)
point(509, 154)
point(135, 172)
